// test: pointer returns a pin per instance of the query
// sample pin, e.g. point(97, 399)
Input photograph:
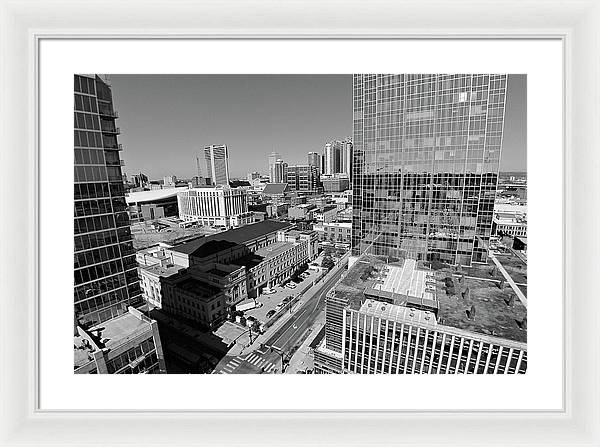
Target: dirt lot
point(144, 235)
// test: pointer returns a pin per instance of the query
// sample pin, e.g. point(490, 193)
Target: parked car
point(270, 313)
point(267, 291)
point(290, 285)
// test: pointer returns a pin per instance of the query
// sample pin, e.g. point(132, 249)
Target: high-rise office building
point(426, 159)
point(217, 164)
point(110, 335)
point(278, 172)
point(106, 279)
point(347, 150)
point(273, 157)
point(333, 157)
point(314, 159)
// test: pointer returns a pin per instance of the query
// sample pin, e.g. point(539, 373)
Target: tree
point(327, 262)
point(256, 327)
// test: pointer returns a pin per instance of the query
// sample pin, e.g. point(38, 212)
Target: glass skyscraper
point(426, 159)
point(106, 280)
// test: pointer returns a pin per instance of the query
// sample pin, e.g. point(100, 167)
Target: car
point(267, 291)
point(290, 285)
point(270, 313)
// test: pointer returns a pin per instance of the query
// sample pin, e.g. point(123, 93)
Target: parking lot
point(281, 292)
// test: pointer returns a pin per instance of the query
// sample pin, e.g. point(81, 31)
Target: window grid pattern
point(374, 345)
point(105, 275)
point(425, 166)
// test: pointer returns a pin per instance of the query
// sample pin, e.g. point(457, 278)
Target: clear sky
point(166, 120)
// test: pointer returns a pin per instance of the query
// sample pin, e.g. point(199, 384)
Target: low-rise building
point(277, 262)
point(127, 344)
point(159, 254)
point(335, 182)
point(344, 197)
point(510, 224)
point(327, 214)
point(216, 206)
point(334, 232)
point(301, 212)
point(151, 281)
point(229, 266)
point(186, 296)
point(275, 192)
point(149, 205)
point(296, 200)
point(229, 278)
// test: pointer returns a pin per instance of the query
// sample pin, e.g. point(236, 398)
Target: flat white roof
point(149, 196)
point(397, 313)
point(405, 280)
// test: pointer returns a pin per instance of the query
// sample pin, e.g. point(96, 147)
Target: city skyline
point(254, 115)
point(406, 253)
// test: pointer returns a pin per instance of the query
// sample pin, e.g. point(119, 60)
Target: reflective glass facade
point(106, 280)
point(425, 165)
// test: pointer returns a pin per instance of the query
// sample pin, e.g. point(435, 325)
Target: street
point(286, 337)
point(291, 331)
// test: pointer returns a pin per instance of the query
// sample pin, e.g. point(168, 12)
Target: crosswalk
point(251, 358)
point(256, 360)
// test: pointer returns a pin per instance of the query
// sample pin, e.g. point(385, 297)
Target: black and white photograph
point(300, 224)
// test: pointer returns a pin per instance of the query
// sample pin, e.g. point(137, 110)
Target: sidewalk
point(297, 306)
point(303, 358)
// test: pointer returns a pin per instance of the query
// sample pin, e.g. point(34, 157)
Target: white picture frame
point(25, 24)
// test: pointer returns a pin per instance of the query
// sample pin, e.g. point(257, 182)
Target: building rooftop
point(152, 196)
point(398, 313)
point(337, 224)
point(329, 208)
point(199, 288)
point(82, 351)
point(496, 314)
point(275, 249)
point(240, 235)
point(118, 330)
point(249, 261)
point(239, 183)
point(159, 270)
point(272, 189)
point(211, 247)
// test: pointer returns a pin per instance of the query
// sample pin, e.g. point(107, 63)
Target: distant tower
point(198, 167)
point(314, 159)
point(333, 157)
point(217, 164)
point(273, 157)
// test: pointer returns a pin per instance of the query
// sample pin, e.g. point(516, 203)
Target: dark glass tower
point(426, 158)
point(106, 280)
